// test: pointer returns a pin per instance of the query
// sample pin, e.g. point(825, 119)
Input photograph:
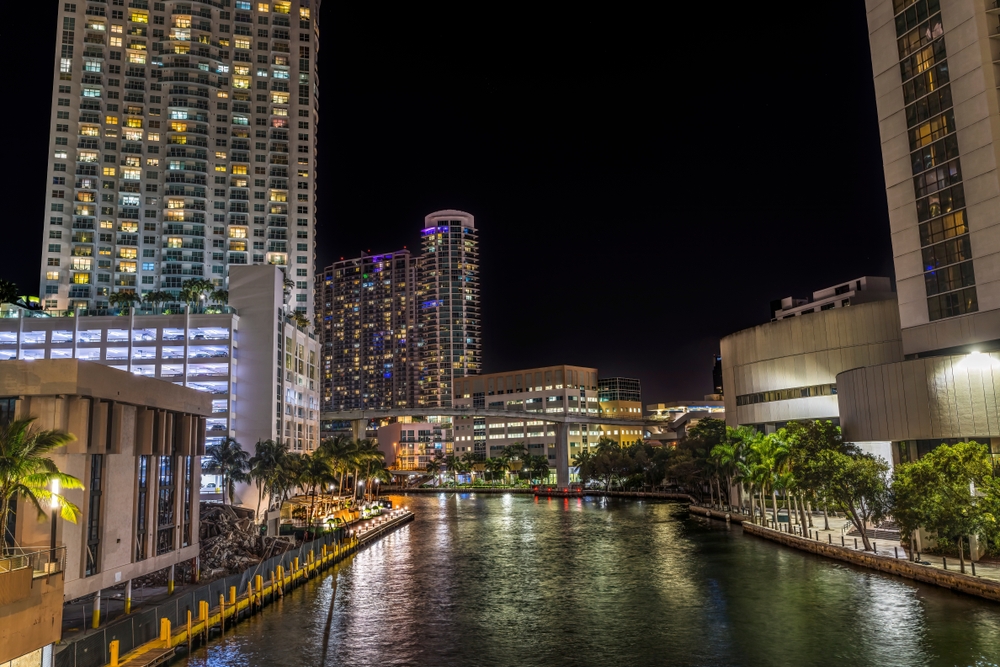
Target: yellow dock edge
point(279, 582)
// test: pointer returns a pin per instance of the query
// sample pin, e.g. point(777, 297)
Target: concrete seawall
point(954, 581)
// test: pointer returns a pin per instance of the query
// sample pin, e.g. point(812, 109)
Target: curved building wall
point(787, 369)
point(922, 399)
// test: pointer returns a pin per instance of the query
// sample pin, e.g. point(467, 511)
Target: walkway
point(837, 535)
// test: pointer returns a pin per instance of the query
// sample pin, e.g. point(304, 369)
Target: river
point(514, 580)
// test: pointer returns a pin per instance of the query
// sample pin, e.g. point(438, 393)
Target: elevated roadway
point(359, 420)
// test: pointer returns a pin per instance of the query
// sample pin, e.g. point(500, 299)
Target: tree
point(229, 460)
point(8, 291)
point(435, 465)
point(315, 474)
point(858, 484)
point(123, 300)
point(26, 471)
point(453, 465)
point(219, 296)
point(265, 466)
point(951, 491)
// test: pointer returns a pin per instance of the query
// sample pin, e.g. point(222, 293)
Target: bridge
point(359, 420)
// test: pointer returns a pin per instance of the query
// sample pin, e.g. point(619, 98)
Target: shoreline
point(657, 495)
point(954, 581)
point(232, 606)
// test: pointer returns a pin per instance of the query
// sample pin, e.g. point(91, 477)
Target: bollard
point(222, 614)
point(829, 538)
point(203, 617)
point(96, 619)
point(165, 630)
point(855, 543)
point(944, 561)
point(232, 595)
point(189, 630)
point(249, 599)
point(113, 649)
point(973, 568)
point(874, 548)
point(842, 541)
point(895, 550)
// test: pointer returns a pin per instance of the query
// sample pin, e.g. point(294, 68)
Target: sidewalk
point(839, 527)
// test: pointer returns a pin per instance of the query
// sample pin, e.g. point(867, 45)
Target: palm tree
point(468, 461)
point(315, 474)
point(286, 479)
point(26, 471)
point(435, 465)
point(584, 461)
point(229, 460)
point(219, 296)
point(453, 465)
point(366, 452)
point(123, 300)
point(265, 466)
point(8, 292)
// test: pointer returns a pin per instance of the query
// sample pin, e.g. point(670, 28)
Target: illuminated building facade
point(366, 318)
point(182, 143)
point(448, 324)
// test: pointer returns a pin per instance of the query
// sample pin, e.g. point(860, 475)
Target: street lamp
point(54, 503)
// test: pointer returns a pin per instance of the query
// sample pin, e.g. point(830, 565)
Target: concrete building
point(137, 451)
point(448, 324)
point(620, 398)
point(409, 445)
point(939, 118)
point(787, 369)
point(667, 423)
point(183, 142)
point(853, 292)
point(550, 389)
point(367, 319)
point(258, 365)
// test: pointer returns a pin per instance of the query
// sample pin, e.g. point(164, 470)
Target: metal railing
point(42, 562)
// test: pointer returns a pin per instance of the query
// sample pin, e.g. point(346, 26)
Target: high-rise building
point(448, 325)
point(366, 308)
point(937, 99)
point(182, 142)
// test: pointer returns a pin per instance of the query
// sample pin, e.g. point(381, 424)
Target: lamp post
point(55, 508)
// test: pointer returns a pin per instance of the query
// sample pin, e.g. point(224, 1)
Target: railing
point(42, 563)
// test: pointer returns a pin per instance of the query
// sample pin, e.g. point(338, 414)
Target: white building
point(258, 364)
point(852, 292)
point(182, 142)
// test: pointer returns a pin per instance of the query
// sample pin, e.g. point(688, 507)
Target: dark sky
point(644, 181)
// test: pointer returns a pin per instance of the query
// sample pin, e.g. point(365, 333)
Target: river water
point(514, 580)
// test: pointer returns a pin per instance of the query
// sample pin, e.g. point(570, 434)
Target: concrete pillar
point(96, 618)
point(358, 428)
point(170, 581)
point(562, 455)
point(128, 596)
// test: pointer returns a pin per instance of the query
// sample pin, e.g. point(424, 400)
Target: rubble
point(231, 541)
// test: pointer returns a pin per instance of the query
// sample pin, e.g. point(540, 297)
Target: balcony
point(40, 563)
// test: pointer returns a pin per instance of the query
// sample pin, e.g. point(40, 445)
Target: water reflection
point(513, 580)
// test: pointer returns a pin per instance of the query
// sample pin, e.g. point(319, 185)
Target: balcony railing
point(42, 563)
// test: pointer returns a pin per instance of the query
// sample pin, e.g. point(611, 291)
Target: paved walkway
point(839, 527)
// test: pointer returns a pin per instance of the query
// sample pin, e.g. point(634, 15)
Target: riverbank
point(890, 564)
point(659, 495)
point(152, 636)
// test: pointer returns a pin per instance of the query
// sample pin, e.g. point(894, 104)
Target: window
point(94, 512)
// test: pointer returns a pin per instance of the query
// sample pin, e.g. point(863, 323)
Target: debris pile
point(231, 541)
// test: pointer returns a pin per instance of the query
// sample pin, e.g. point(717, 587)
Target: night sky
point(644, 181)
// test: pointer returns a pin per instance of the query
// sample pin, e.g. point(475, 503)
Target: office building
point(667, 423)
point(448, 324)
point(853, 292)
point(561, 390)
point(137, 448)
point(787, 369)
point(937, 101)
point(366, 307)
point(182, 143)
point(257, 363)
point(620, 398)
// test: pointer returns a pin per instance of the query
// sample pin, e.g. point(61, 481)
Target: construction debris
point(231, 541)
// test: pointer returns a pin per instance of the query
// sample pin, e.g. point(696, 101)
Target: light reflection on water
point(514, 580)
